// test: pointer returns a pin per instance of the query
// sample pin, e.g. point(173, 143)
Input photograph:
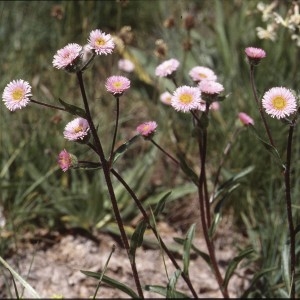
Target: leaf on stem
point(73, 109)
point(187, 170)
point(163, 291)
point(202, 254)
point(233, 265)
point(137, 237)
point(285, 267)
point(112, 282)
point(187, 248)
point(268, 146)
point(171, 288)
point(161, 204)
point(218, 210)
point(123, 148)
point(227, 185)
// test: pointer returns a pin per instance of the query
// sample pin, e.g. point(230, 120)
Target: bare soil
point(52, 266)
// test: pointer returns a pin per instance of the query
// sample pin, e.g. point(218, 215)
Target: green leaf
point(269, 147)
point(218, 208)
point(72, 109)
point(285, 267)
point(113, 283)
point(163, 291)
point(202, 254)
point(187, 248)
point(188, 170)
point(254, 280)
point(161, 204)
point(26, 285)
point(124, 147)
point(137, 237)
point(224, 187)
point(171, 291)
point(234, 263)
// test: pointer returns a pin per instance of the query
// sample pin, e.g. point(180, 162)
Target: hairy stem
point(203, 214)
point(259, 106)
point(106, 171)
point(289, 210)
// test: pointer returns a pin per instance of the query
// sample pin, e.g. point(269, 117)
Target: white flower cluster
point(274, 20)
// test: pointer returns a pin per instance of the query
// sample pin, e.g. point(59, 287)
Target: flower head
point(101, 42)
point(66, 160)
point(279, 102)
point(77, 130)
point(117, 85)
point(16, 94)
point(167, 67)
point(255, 55)
point(210, 87)
point(186, 98)
point(68, 57)
point(147, 129)
point(125, 65)
point(245, 119)
point(200, 73)
point(166, 98)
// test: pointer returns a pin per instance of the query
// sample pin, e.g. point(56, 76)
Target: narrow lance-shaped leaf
point(124, 147)
point(202, 254)
point(73, 109)
point(188, 170)
point(187, 249)
point(268, 146)
point(218, 208)
point(161, 204)
point(233, 265)
point(137, 237)
point(161, 290)
point(113, 283)
point(285, 267)
point(171, 290)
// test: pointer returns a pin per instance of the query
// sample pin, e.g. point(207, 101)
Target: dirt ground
point(53, 267)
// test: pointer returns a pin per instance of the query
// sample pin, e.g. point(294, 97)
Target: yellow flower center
point(186, 98)
point(100, 42)
point(78, 129)
point(201, 75)
point(18, 94)
point(117, 84)
point(279, 103)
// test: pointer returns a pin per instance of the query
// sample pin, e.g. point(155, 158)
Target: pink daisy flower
point(166, 98)
point(66, 160)
point(210, 87)
point(67, 57)
point(78, 129)
point(245, 119)
point(200, 73)
point(125, 65)
point(16, 94)
point(255, 55)
point(101, 42)
point(147, 129)
point(167, 67)
point(117, 85)
point(279, 102)
point(186, 98)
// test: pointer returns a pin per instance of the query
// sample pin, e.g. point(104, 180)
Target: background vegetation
point(36, 194)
